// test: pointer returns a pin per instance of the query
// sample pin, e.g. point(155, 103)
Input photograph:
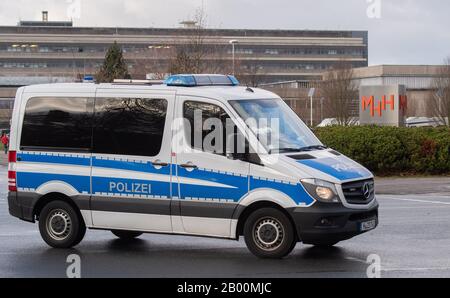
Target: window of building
point(129, 126)
point(58, 123)
point(6, 104)
point(271, 52)
point(204, 120)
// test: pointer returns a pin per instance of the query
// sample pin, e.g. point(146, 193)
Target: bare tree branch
point(197, 54)
point(440, 99)
point(339, 91)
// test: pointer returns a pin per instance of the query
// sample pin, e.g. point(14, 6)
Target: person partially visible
point(5, 142)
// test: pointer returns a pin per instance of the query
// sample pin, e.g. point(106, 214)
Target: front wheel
point(269, 233)
point(60, 225)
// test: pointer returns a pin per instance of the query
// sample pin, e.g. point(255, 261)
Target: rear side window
point(129, 126)
point(58, 124)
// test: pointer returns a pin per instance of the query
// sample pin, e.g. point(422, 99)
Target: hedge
point(392, 150)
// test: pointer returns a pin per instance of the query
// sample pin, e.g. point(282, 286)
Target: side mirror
point(237, 156)
point(246, 156)
point(233, 149)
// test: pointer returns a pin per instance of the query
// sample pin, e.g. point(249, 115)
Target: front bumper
point(328, 223)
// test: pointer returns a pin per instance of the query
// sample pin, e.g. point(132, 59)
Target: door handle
point(159, 164)
point(189, 165)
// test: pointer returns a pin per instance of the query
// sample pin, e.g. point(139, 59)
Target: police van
point(117, 157)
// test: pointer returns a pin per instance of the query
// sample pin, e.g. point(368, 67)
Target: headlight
point(321, 190)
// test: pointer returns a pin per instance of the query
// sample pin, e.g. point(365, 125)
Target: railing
point(149, 56)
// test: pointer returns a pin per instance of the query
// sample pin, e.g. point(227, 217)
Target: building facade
point(36, 52)
point(418, 80)
point(47, 49)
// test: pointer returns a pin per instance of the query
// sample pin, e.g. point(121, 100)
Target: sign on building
point(383, 105)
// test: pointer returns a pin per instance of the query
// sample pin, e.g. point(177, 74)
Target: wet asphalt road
point(413, 240)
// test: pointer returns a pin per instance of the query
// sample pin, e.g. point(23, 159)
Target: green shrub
point(392, 150)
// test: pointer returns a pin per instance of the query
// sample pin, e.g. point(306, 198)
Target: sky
point(400, 31)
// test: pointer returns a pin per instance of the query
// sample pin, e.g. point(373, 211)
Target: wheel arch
point(51, 197)
point(245, 211)
point(261, 198)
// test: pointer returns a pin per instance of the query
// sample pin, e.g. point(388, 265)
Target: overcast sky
point(400, 31)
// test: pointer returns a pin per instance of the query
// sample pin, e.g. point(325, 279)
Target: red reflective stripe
point(12, 182)
point(12, 156)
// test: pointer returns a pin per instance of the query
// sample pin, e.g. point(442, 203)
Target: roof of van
point(215, 92)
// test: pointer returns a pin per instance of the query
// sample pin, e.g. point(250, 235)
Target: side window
point(129, 126)
point(58, 123)
point(210, 127)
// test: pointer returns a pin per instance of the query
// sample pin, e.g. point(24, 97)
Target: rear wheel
point(60, 225)
point(268, 233)
point(126, 235)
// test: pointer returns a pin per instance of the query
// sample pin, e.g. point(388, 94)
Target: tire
point(269, 234)
point(60, 225)
point(126, 235)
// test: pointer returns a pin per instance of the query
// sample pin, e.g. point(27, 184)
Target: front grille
point(355, 192)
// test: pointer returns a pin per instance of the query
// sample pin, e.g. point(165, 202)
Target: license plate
point(368, 225)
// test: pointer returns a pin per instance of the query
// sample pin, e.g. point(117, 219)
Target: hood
point(327, 165)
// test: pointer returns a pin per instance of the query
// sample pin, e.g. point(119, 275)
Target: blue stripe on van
point(337, 168)
point(145, 167)
point(295, 192)
point(54, 159)
point(35, 180)
point(239, 184)
point(125, 186)
point(102, 185)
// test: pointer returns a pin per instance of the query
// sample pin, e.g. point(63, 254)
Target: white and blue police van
point(115, 157)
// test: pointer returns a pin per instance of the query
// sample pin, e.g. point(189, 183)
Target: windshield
point(276, 126)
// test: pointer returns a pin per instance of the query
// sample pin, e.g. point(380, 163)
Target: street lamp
point(233, 42)
point(311, 93)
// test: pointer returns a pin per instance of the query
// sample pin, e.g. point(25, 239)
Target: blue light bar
point(193, 80)
point(181, 80)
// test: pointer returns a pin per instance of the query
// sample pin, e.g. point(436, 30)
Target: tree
point(154, 63)
point(195, 55)
point(114, 66)
point(339, 91)
point(440, 100)
point(190, 54)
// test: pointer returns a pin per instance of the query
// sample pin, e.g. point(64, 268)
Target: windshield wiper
point(302, 149)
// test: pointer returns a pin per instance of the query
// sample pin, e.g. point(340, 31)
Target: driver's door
point(209, 184)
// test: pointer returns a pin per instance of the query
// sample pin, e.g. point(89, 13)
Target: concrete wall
point(419, 103)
